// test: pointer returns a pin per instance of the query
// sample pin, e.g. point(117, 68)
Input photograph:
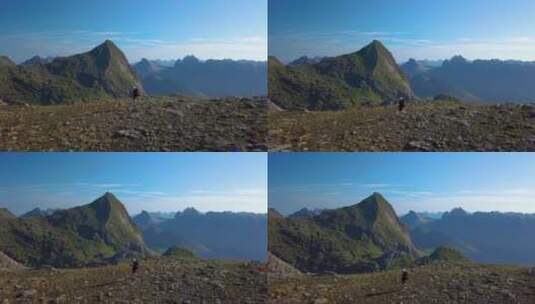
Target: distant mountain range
point(364, 237)
point(99, 74)
point(102, 232)
point(229, 235)
point(369, 76)
point(487, 237)
point(478, 80)
point(97, 233)
point(210, 78)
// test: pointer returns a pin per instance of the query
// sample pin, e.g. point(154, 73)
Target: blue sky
point(166, 182)
point(431, 182)
point(420, 29)
point(163, 29)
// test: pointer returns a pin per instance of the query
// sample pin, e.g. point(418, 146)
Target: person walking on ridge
point(404, 276)
point(135, 93)
point(135, 266)
point(401, 103)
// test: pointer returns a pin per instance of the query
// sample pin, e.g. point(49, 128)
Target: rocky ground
point(431, 126)
point(438, 283)
point(152, 124)
point(163, 280)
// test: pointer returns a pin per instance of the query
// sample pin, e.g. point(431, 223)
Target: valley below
point(423, 126)
point(151, 124)
point(443, 282)
point(159, 280)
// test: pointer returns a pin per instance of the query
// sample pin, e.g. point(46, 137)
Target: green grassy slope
point(360, 238)
point(369, 76)
point(99, 74)
point(85, 235)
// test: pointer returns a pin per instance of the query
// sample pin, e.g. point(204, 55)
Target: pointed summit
point(37, 212)
point(364, 237)
point(376, 215)
point(107, 44)
point(104, 69)
point(37, 60)
point(108, 200)
point(375, 45)
point(370, 75)
point(376, 201)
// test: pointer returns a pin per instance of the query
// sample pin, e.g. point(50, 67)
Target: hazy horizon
point(155, 182)
point(435, 182)
point(134, 213)
point(447, 28)
point(134, 62)
point(358, 200)
point(154, 30)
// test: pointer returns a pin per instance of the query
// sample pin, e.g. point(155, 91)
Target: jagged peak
point(375, 46)
point(375, 206)
point(413, 214)
point(377, 197)
point(108, 43)
point(457, 59)
point(456, 212)
point(107, 47)
point(108, 200)
point(190, 211)
point(190, 59)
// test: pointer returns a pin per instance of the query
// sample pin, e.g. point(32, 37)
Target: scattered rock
point(153, 124)
point(427, 126)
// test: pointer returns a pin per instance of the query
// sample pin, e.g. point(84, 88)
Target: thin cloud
point(23, 45)
point(403, 45)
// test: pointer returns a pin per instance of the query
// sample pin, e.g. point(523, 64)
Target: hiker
point(135, 266)
point(135, 93)
point(404, 276)
point(401, 103)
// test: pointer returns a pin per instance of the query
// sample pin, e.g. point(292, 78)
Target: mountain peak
point(457, 59)
point(375, 46)
point(191, 59)
point(108, 44)
point(457, 212)
point(190, 211)
point(377, 43)
point(107, 202)
point(36, 212)
point(376, 198)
